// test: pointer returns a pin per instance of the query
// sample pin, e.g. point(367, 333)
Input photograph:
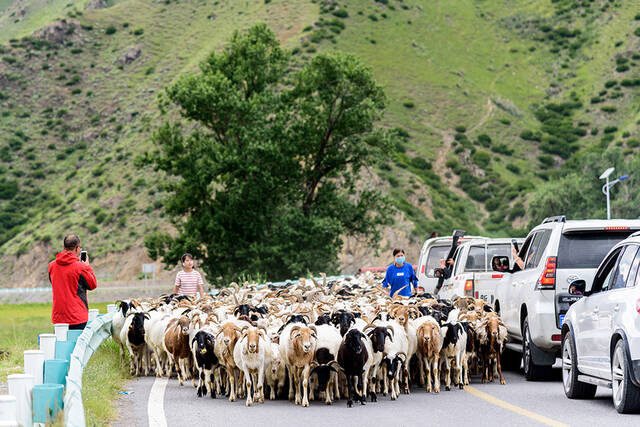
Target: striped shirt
point(187, 283)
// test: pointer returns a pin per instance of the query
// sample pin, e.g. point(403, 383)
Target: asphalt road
point(518, 403)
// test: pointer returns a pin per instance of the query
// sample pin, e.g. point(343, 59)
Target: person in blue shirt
point(400, 277)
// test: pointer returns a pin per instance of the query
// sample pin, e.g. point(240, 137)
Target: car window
point(624, 266)
point(525, 246)
point(586, 249)
point(475, 259)
point(631, 278)
point(436, 253)
point(537, 249)
point(605, 272)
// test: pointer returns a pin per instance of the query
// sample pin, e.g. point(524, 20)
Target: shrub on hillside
point(608, 108)
point(610, 129)
point(138, 31)
point(420, 163)
point(481, 158)
point(513, 168)
point(461, 129)
point(110, 30)
point(340, 13)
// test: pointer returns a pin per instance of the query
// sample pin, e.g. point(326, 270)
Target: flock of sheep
point(342, 338)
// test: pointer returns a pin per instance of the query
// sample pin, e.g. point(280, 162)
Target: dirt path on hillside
point(439, 165)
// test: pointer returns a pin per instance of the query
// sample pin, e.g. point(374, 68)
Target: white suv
point(601, 332)
point(532, 302)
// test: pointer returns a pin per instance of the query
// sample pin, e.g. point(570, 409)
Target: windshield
point(587, 249)
point(436, 253)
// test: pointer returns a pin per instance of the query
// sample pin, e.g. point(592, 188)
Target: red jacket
point(70, 280)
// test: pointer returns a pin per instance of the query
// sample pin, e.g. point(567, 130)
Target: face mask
point(400, 260)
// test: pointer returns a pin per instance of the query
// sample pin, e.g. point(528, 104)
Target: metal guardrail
point(92, 336)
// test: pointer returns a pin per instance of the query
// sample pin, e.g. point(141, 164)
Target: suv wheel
point(626, 396)
point(532, 372)
point(573, 388)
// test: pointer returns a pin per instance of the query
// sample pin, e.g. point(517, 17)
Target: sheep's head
point(304, 337)
point(184, 323)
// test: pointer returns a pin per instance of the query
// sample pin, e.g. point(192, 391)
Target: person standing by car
point(70, 279)
point(400, 276)
point(188, 281)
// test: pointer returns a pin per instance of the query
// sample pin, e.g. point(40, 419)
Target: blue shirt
point(399, 277)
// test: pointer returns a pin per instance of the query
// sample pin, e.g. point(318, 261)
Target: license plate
point(561, 319)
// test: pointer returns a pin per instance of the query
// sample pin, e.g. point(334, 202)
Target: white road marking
point(155, 407)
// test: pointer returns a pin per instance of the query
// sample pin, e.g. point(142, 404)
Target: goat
point(352, 357)
point(492, 334)
point(203, 349)
point(249, 356)
point(133, 335)
point(176, 344)
point(454, 342)
point(297, 346)
point(429, 346)
point(327, 346)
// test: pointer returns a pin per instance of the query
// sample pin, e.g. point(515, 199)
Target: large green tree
point(265, 171)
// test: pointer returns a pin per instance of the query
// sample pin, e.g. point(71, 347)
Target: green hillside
point(490, 100)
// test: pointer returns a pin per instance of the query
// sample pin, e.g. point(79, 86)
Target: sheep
point(203, 350)
point(176, 344)
point(275, 371)
point(298, 346)
point(228, 336)
point(329, 340)
point(353, 357)
point(133, 334)
point(454, 341)
point(249, 356)
point(492, 334)
point(429, 346)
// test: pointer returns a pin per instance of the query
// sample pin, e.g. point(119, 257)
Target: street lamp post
point(606, 188)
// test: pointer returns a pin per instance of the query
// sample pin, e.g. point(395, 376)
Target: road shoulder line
point(155, 405)
point(513, 408)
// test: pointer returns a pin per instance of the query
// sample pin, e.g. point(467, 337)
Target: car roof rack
point(559, 218)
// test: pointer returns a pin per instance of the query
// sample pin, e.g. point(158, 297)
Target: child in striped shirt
point(188, 281)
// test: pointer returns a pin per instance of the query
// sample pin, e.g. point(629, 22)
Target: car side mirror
point(500, 263)
point(578, 287)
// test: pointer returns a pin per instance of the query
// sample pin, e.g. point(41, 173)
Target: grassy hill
point(489, 98)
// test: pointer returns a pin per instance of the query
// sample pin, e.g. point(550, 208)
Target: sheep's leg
point(200, 380)
point(247, 381)
point(232, 385)
point(427, 374)
point(447, 373)
point(156, 356)
point(362, 380)
point(499, 367)
point(351, 391)
point(459, 370)
point(436, 373)
point(305, 385)
point(312, 389)
point(336, 385)
point(261, 384)
point(291, 381)
point(296, 385)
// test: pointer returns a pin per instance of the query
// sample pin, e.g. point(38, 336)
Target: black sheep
point(352, 356)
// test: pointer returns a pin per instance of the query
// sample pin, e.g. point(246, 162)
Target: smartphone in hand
point(515, 244)
point(83, 256)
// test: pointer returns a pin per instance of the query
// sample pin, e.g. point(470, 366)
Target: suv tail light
point(547, 279)
point(468, 288)
point(616, 228)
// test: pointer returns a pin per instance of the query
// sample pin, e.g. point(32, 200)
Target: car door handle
point(616, 308)
point(596, 310)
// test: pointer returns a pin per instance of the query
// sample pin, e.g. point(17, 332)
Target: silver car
point(601, 330)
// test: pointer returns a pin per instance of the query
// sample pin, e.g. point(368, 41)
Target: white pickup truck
point(433, 250)
point(473, 274)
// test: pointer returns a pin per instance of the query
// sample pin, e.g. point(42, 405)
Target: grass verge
point(103, 377)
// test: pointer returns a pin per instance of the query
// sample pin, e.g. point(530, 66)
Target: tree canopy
point(265, 171)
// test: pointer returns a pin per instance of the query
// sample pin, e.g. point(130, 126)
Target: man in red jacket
point(70, 278)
